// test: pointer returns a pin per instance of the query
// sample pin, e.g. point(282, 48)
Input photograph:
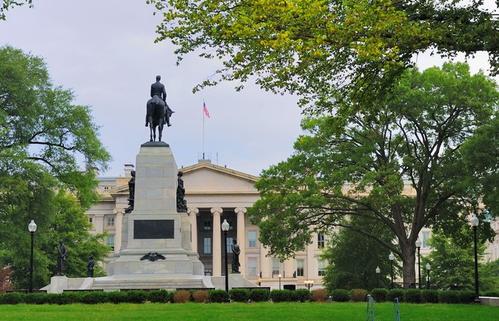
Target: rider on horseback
point(158, 95)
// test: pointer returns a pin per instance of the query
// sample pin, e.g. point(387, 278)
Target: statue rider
point(158, 95)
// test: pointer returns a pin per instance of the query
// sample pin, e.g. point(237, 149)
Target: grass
point(243, 312)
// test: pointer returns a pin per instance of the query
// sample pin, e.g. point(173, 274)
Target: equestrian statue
point(158, 111)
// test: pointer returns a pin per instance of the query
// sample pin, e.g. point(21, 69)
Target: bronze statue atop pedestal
point(158, 111)
point(236, 250)
point(181, 202)
point(61, 258)
point(131, 193)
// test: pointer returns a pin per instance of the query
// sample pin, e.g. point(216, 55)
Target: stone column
point(217, 242)
point(241, 237)
point(118, 225)
point(193, 216)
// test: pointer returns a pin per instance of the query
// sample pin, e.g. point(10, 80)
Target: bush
point(239, 295)
point(200, 296)
point(281, 295)
point(116, 297)
point(379, 294)
point(181, 296)
point(466, 296)
point(218, 296)
point(301, 295)
point(429, 296)
point(12, 298)
point(491, 293)
point(395, 293)
point(259, 295)
point(319, 295)
point(95, 297)
point(358, 295)
point(135, 296)
point(159, 296)
point(412, 296)
point(448, 297)
point(35, 298)
point(341, 295)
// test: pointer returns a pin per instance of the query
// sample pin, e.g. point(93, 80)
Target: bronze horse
point(155, 117)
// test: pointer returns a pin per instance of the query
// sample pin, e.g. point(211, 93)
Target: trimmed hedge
point(218, 296)
point(301, 295)
point(448, 297)
point(159, 296)
point(395, 293)
point(379, 294)
point(429, 296)
point(281, 295)
point(319, 295)
point(200, 296)
point(239, 295)
point(358, 295)
point(259, 295)
point(340, 295)
point(181, 296)
point(412, 296)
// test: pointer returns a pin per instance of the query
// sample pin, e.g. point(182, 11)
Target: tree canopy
point(399, 163)
point(324, 50)
point(49, 155)
point(9, 4)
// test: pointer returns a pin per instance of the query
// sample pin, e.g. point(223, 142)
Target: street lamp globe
point(32, 226)
point(378, 270)
point(418, 243)
point(428, 266)
point(225, 226)
point(391, 257)
point(474, 220)
point(280, 275)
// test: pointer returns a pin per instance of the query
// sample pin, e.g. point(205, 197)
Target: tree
point(8, 4)
point(398, 163)
point(49, 155)
point(354, 258)
point(314, 48)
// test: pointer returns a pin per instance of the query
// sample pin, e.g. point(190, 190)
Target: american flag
point(205, 110)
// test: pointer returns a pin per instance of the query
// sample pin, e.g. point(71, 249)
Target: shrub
point(340, 295)
point(379, 294)
point(12, 298)
point(218, 296)
point(35, 298)
point(412, 296)
point(429, 296)
point(466, 296)
point(448, 296)
point(200, 296)
point(358, 295)
point(281, 295)
point(301, 295)
point(395, 293)
point(319, 295)
point(95, 297)
point(135, 296)
point(491, 293)
point(159, 296)
point(181, 296)
point(259, 295)
point(239, 295)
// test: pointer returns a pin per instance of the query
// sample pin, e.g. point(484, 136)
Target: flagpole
point(203, 127)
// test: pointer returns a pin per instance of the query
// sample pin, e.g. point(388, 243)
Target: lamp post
point(378, 271)
point(309, 284)
point(32, 230)
point(225, 228)
point(279, 276)
point(428, 268)
point(391, 257)
point(418, 247)
point(474, 223)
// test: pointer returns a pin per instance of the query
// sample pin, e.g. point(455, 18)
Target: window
point(321, 264)
point(229, 244)
point(110, 241)
point(207, 225)
point(207, 245)
point(251, 266)
point(251, 238)
point(110, 221)
point(90, 220)
point(276, 266)
point(300, 267)
point(320, 240)
point(426, 238)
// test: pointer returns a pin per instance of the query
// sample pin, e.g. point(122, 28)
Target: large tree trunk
point(408, 265)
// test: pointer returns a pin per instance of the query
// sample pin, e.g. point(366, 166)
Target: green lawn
point(242, 312)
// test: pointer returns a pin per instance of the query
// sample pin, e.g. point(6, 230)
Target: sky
point(104, 51)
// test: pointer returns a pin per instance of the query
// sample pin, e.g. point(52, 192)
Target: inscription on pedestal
point(153, 229)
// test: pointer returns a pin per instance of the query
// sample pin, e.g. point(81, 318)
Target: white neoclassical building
point(215, 193)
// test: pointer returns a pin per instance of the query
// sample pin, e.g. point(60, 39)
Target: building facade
point(215, 193)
